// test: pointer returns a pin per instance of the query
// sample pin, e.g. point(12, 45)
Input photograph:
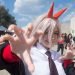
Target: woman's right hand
point(21, 42)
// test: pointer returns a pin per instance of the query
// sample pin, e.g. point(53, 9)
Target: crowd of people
point(28, 51)
point(65, 41)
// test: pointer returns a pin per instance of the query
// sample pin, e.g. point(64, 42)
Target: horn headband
point(56, 15)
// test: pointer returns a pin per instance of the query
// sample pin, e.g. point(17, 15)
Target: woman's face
point(46, 41)
point(55, 35)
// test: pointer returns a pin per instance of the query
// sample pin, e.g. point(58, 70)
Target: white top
point(40, 60)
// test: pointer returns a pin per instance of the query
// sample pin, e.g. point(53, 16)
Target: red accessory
point(56, 15)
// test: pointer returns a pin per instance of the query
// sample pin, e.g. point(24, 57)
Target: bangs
point(44, 25)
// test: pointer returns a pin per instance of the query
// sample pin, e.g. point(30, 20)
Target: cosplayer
point(33, 46)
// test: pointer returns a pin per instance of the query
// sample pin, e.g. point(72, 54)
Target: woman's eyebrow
point(56, 31)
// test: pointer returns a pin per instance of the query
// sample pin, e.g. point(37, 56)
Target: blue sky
point(26, 11)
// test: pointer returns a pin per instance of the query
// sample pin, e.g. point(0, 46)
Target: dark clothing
point(70, 69)
point(60, 47)
point(15, 67)
point(65, 39)
point(74, 39)
point(53, 69)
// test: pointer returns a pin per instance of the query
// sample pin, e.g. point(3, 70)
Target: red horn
point(58, 14)
point(50, 13)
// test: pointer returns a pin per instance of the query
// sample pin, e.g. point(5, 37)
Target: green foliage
point(5, 18)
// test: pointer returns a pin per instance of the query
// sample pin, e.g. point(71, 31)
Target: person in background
point(61, 44)
point(69, 39)
point(65, 40)
point(69, 64)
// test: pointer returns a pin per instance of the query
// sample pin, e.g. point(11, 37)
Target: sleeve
point(8, 56)
point(67, 62)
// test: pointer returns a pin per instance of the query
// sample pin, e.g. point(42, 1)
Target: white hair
point(42, 23)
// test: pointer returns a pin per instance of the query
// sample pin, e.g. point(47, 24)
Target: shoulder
point(34, 49)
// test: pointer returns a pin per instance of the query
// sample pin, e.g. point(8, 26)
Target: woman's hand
point(69, 54)
point(21, 42)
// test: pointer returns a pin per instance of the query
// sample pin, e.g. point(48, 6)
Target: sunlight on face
point(49, 42)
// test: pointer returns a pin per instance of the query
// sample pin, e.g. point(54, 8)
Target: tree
point(5, 18)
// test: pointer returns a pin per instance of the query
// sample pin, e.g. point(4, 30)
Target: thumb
point(6, 37)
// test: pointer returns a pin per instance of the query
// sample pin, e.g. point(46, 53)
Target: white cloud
point(68, 17)
point(69, 13)
point(27, 6)
point(22, 21)
point(61, 6)
point(28, 9)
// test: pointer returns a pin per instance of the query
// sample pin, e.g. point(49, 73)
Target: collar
point(41, 48)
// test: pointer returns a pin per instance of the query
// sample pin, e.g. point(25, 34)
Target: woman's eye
point(46, 32)
point(57, 33)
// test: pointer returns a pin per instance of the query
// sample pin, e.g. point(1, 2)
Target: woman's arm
point(21, 43)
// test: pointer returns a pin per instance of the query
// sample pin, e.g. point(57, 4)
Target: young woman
point(31, 45)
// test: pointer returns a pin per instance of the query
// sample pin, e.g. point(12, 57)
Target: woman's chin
point(48, 46)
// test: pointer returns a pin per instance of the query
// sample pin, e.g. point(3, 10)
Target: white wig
point(43, 23)
point(47, 20)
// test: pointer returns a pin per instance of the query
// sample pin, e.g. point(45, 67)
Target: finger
point(16, 29)
point(6, 37)
point(35, 37)
point(29, 29)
